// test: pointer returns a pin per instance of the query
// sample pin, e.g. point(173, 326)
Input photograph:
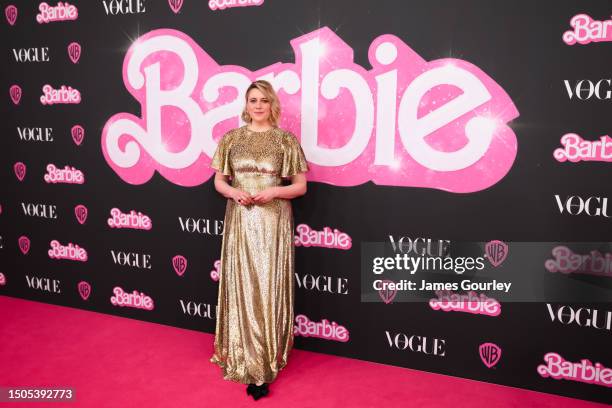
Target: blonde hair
point(266, 88)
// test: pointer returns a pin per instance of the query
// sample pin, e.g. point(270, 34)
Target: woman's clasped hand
point(245, 198)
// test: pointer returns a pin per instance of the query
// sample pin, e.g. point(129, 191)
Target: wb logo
point(496, 252)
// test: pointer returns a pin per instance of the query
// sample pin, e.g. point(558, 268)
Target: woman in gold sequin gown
point(254, 328)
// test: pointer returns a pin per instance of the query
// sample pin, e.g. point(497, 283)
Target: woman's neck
point(259, 126)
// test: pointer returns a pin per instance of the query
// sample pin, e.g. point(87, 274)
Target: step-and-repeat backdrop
point(425, 124)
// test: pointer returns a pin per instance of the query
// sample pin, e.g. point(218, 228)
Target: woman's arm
point(227, 191)
point(295, 189)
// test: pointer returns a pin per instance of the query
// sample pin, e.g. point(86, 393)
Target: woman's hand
point(241, 197)
point(265, 195)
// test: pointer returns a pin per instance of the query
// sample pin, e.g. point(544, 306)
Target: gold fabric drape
point(254, 328)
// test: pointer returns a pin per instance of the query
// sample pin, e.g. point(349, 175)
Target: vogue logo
point(449, 116)
point(199, 309)
point(32, 54)
point(115, 7)
point(39, 210)
point(585, 89)
point(322, 283)
point(140, 261)
point(575, 205)
point(417, 344)
point(201, 225)
point(36, 134)
point(420, 246)
point(43, 284)
point(583, 317)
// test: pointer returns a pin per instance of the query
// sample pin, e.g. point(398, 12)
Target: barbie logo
point(323, 329)
point(135, 299)
point(406, 122)
point(135, 220)
point(566, 261)
point(64, 11)
point(67, 175)
point(576, 149)
point(11, 14)
point(71, 251)
point(223, 4)
point(560, 369)
point(470, 303)
point(214, 274)
point(327, 238)
point(586, 30)
point(63, 95)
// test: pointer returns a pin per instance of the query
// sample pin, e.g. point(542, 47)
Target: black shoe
point(251, 389)
point(259, 391)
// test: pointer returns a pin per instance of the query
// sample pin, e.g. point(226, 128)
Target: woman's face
point(258, 106)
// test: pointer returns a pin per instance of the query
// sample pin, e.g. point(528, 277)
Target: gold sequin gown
point(254, 328)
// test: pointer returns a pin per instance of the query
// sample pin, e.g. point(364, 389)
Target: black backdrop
point(518, 44)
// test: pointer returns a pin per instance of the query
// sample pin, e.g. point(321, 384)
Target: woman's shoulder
point(230, 134)
point(287, 135)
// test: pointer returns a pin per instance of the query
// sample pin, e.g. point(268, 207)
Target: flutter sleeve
point(294, 160)
point(220, 160)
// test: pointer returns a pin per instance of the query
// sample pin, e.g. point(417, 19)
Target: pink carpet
point(112, 361)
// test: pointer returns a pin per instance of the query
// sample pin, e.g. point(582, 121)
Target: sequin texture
point(254, 328)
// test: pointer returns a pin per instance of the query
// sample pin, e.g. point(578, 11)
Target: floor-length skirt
point(254, 328)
